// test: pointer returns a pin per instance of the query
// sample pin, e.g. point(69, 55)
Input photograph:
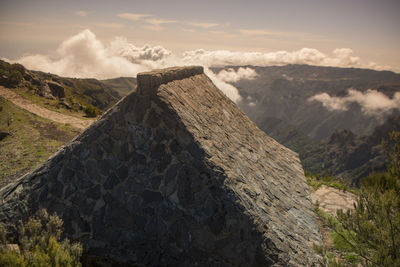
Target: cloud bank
point(341, 58)
point(372, 102)
point(230, 75)
point(85, 56)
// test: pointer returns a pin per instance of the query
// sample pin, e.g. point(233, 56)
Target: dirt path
point(331, 199)
point(43, 112)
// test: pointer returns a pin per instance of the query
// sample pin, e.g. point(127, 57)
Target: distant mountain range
point(283, 92)
point(348, 156)
point(344, 143)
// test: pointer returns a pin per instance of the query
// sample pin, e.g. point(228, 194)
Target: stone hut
point(174, 175)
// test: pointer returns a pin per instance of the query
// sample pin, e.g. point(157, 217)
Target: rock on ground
point(331, 199)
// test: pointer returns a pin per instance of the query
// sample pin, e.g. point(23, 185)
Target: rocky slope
point(351, 157)
point(345, 155)
point(174, 174)
point(280, 107)
point(62, 92)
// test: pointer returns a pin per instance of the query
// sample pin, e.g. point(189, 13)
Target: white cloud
point(155, 28)
point(372, 102)
point(81, 13)
point(230, 75)
point(344, 57)
point(229, 90)
point(262, 32)
point(156, 22)
point(252, 104)
point(204, 25)
point(341, 58)
point(223, 79)
point(153, 24)
point(83, 56)
point(121, 47)
point(133, 16)
point(331, 103)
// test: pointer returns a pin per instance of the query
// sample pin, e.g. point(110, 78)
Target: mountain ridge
point(283, 92)
point(281, 107)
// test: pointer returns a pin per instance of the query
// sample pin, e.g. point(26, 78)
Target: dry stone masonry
point(174, 175)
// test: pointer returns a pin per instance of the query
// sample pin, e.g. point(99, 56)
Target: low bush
point(369, 235)
point(40, 244)
point(91, 111)
point(17, 67)
point(14, 78)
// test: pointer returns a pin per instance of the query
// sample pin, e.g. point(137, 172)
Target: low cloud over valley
point(372, 102)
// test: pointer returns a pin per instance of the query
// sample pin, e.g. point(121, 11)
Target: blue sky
point(370, 29)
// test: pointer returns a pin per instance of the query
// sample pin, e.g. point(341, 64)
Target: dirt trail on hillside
point(331, 199)
point(43, 112)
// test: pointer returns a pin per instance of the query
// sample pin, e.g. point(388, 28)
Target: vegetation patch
point(369, 235)
point(11, 74)
point(39, 244)
point(31, 141)
point(316, 180)
point(72, 94)
point(91, 111)
point(51, 104)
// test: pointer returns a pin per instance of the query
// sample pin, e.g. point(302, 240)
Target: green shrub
point(4, 65)
point(14, 78)
point(40, 245)
point(17, 67)
point(316, 180)
point(32, 87)
point(12, 259)
point(91, 111)
point(370, 233)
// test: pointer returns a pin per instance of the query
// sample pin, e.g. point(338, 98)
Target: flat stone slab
point(331, 199)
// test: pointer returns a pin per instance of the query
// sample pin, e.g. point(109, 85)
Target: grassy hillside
point(32, 141)
point(33, 138)
point(123, 85)
point(65, 95)
point(89, 92)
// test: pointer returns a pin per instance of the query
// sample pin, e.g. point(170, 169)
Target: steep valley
point(343, 142)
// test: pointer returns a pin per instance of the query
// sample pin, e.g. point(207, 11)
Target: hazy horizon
point(351, 33)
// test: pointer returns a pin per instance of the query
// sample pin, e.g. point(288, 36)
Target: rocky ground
point(331, 199)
